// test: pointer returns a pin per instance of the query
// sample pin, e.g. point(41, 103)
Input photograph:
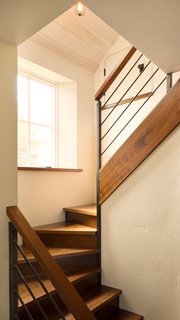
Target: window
point(36, 122)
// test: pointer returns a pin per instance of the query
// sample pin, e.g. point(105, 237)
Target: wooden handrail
point(150, 133)
point(63, 287)
point(113, 75)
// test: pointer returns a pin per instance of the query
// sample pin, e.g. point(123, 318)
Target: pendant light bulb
point(80, 9)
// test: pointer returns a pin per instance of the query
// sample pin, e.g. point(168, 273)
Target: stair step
point(68, 235)
point(65, 228)
point(125, 315)
point(97, 298)
point(84, 215)
point(57, 253)
point(74, 277)
point(86, 209)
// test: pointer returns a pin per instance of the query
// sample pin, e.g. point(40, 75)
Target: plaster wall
point(8, 166)
point(42, 195)
point(140, 235)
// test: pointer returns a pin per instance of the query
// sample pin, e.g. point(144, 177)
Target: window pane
point(23, 143)
point(41, 103)
point(22, 98)
point(41, 147)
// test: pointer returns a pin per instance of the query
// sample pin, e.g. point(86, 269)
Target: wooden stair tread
point(125, 315)
point(65, 228)
point(57, 253)
point(98, 297)
point(38, 291)
point(86, 209)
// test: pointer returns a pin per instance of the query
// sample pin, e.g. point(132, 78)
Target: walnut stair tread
point(65, 228)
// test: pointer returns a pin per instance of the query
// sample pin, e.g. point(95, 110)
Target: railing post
point(98, 166)
point(169, 81)
point(13, 278)
point(99, 149)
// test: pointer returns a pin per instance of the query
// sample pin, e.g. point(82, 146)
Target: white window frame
point(55, 126)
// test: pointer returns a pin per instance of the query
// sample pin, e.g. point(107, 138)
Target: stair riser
point(86, 220)
point(67, 264)
point(69, 240)
point(107, 310)
point(79, 263)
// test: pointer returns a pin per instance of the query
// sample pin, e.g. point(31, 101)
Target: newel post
point(98, 166)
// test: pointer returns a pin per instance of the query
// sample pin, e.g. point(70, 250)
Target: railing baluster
point(25, 307)
point(64, 288)
point(126, 92)
point(31, 293)
point(41, 283)
point(133, 116)
point(14, 271)
point(122, 81)
point(130, 103)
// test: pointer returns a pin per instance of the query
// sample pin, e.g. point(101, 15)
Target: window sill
point(49, 169)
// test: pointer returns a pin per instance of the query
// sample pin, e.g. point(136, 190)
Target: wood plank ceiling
point(84, 40)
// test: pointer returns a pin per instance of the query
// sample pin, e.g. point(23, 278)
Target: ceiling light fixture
point(80, 9)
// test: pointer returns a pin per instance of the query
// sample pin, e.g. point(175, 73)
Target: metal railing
point(124, 102)
point(16, 276)
point(62, 297)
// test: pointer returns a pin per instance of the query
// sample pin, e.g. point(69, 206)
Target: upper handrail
point(56, 275)
point(113, 75)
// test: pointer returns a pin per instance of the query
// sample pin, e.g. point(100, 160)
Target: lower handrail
point(56, 275)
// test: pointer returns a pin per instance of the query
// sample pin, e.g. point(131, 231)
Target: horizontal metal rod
point(41, 283)
point(129, 104)
point(133, 116)
point(31, 293)
point(126, 92)
point(122, 81)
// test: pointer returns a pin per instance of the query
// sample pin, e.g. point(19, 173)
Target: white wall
point(150, 25)
point(140, 235)
point(67, 133)
point(42, 195)
point(8, 171)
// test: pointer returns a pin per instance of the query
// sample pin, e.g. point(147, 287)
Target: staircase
point(73, 245)
point(39, 289)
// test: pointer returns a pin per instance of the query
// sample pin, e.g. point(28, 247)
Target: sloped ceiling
point(151, 26)
point(84, 40)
